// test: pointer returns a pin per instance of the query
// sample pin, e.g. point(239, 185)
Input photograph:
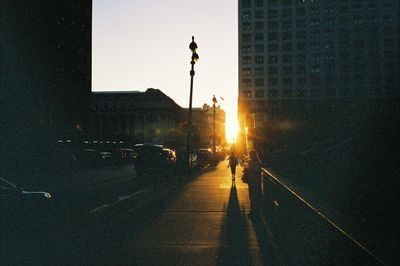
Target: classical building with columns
point(134, 116)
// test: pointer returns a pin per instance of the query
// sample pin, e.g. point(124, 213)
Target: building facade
point(45, 82)
point(203, 118)
point(138, 117)
point(314, 60)
point(296, 54)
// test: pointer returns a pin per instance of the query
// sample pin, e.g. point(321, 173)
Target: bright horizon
point(142, 44)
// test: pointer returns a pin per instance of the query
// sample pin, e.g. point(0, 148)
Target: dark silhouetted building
point(139, 117)
point(45, 80)
point(301, 59)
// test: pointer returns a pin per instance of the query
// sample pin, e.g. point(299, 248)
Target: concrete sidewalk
point(206, 224)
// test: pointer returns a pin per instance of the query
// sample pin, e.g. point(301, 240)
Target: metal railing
point(323, 241)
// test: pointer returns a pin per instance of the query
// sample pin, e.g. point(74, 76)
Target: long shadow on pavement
point(234, 241)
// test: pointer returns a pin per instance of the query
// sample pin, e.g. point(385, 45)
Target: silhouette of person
point(254, 182)
point(233, 162)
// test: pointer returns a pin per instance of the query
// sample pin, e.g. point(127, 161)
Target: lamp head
point(193, 45)
point(214, 99)
point(195, 57)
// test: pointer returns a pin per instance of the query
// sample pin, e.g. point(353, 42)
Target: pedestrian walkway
point(206, 224)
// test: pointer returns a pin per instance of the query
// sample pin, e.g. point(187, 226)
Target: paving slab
point(205, 224)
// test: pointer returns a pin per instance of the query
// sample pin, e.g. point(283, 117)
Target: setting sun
point(231, 125)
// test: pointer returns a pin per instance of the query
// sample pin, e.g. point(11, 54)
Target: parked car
point(125, 156)
point(27, 219)
point(204, 156)
point(20, 206)
point(168, 161)
point(148, 162)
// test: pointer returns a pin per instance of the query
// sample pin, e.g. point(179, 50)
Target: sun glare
point(231, 126)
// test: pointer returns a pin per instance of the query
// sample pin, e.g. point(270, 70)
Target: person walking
point(253, 176)
point(233, 162)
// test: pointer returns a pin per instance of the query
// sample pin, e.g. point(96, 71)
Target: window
point(315, 92)
point(246, 71)
point(315, 58)
point(287, 46)
point(286, 24)
point(287, 81)
point(315, 69)
point(315, 81)
point(301, 93)
point(272, 13)
point(272, 47)
point(314, 11)
point(259, 3)
point(246, 49)
point(301, 46)
point(314, 35)
point(286, 35)
point(300, 69)
point(287, 93)
point(246, 82)
point(315, 46)
point(287, 70)
point(329, 22)
point(301, 81)
point(286, 12)
point(301, 2)
point(259, 94)
point(300, 11)
point(287, 58)
point(246, 37)
point(259, 48)
point(314, 22)
point(246, 15)
point(259, 59)
point(246, 60)
point(259, 14)
point(246, 93)
point(273, 59)
point(272, 93)
point(300, 58)
point(246, 26)
point(259, 36)
point(272, 82)
point(272, 25)
point(246, 3)
point(301, 35)
point(300, 23)
point(259, 26)
point(259, 71)
point(343, 21)
point(272, 36)
point(272, 70)
point(259, 82)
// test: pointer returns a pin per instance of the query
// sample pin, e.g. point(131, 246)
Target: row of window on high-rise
point(329, 91)
point(342, 4)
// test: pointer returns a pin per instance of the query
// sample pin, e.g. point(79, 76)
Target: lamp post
point(195, 57)
point(214, 100)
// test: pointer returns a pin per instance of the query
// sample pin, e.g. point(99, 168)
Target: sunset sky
point(140, 44)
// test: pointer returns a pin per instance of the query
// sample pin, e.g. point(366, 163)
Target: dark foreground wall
point(45, 79)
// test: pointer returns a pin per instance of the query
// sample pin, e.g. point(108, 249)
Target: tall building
point(45, 81)
point(300, 57)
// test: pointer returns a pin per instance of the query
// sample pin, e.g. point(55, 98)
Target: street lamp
point(195, 57)
point(214, 100)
